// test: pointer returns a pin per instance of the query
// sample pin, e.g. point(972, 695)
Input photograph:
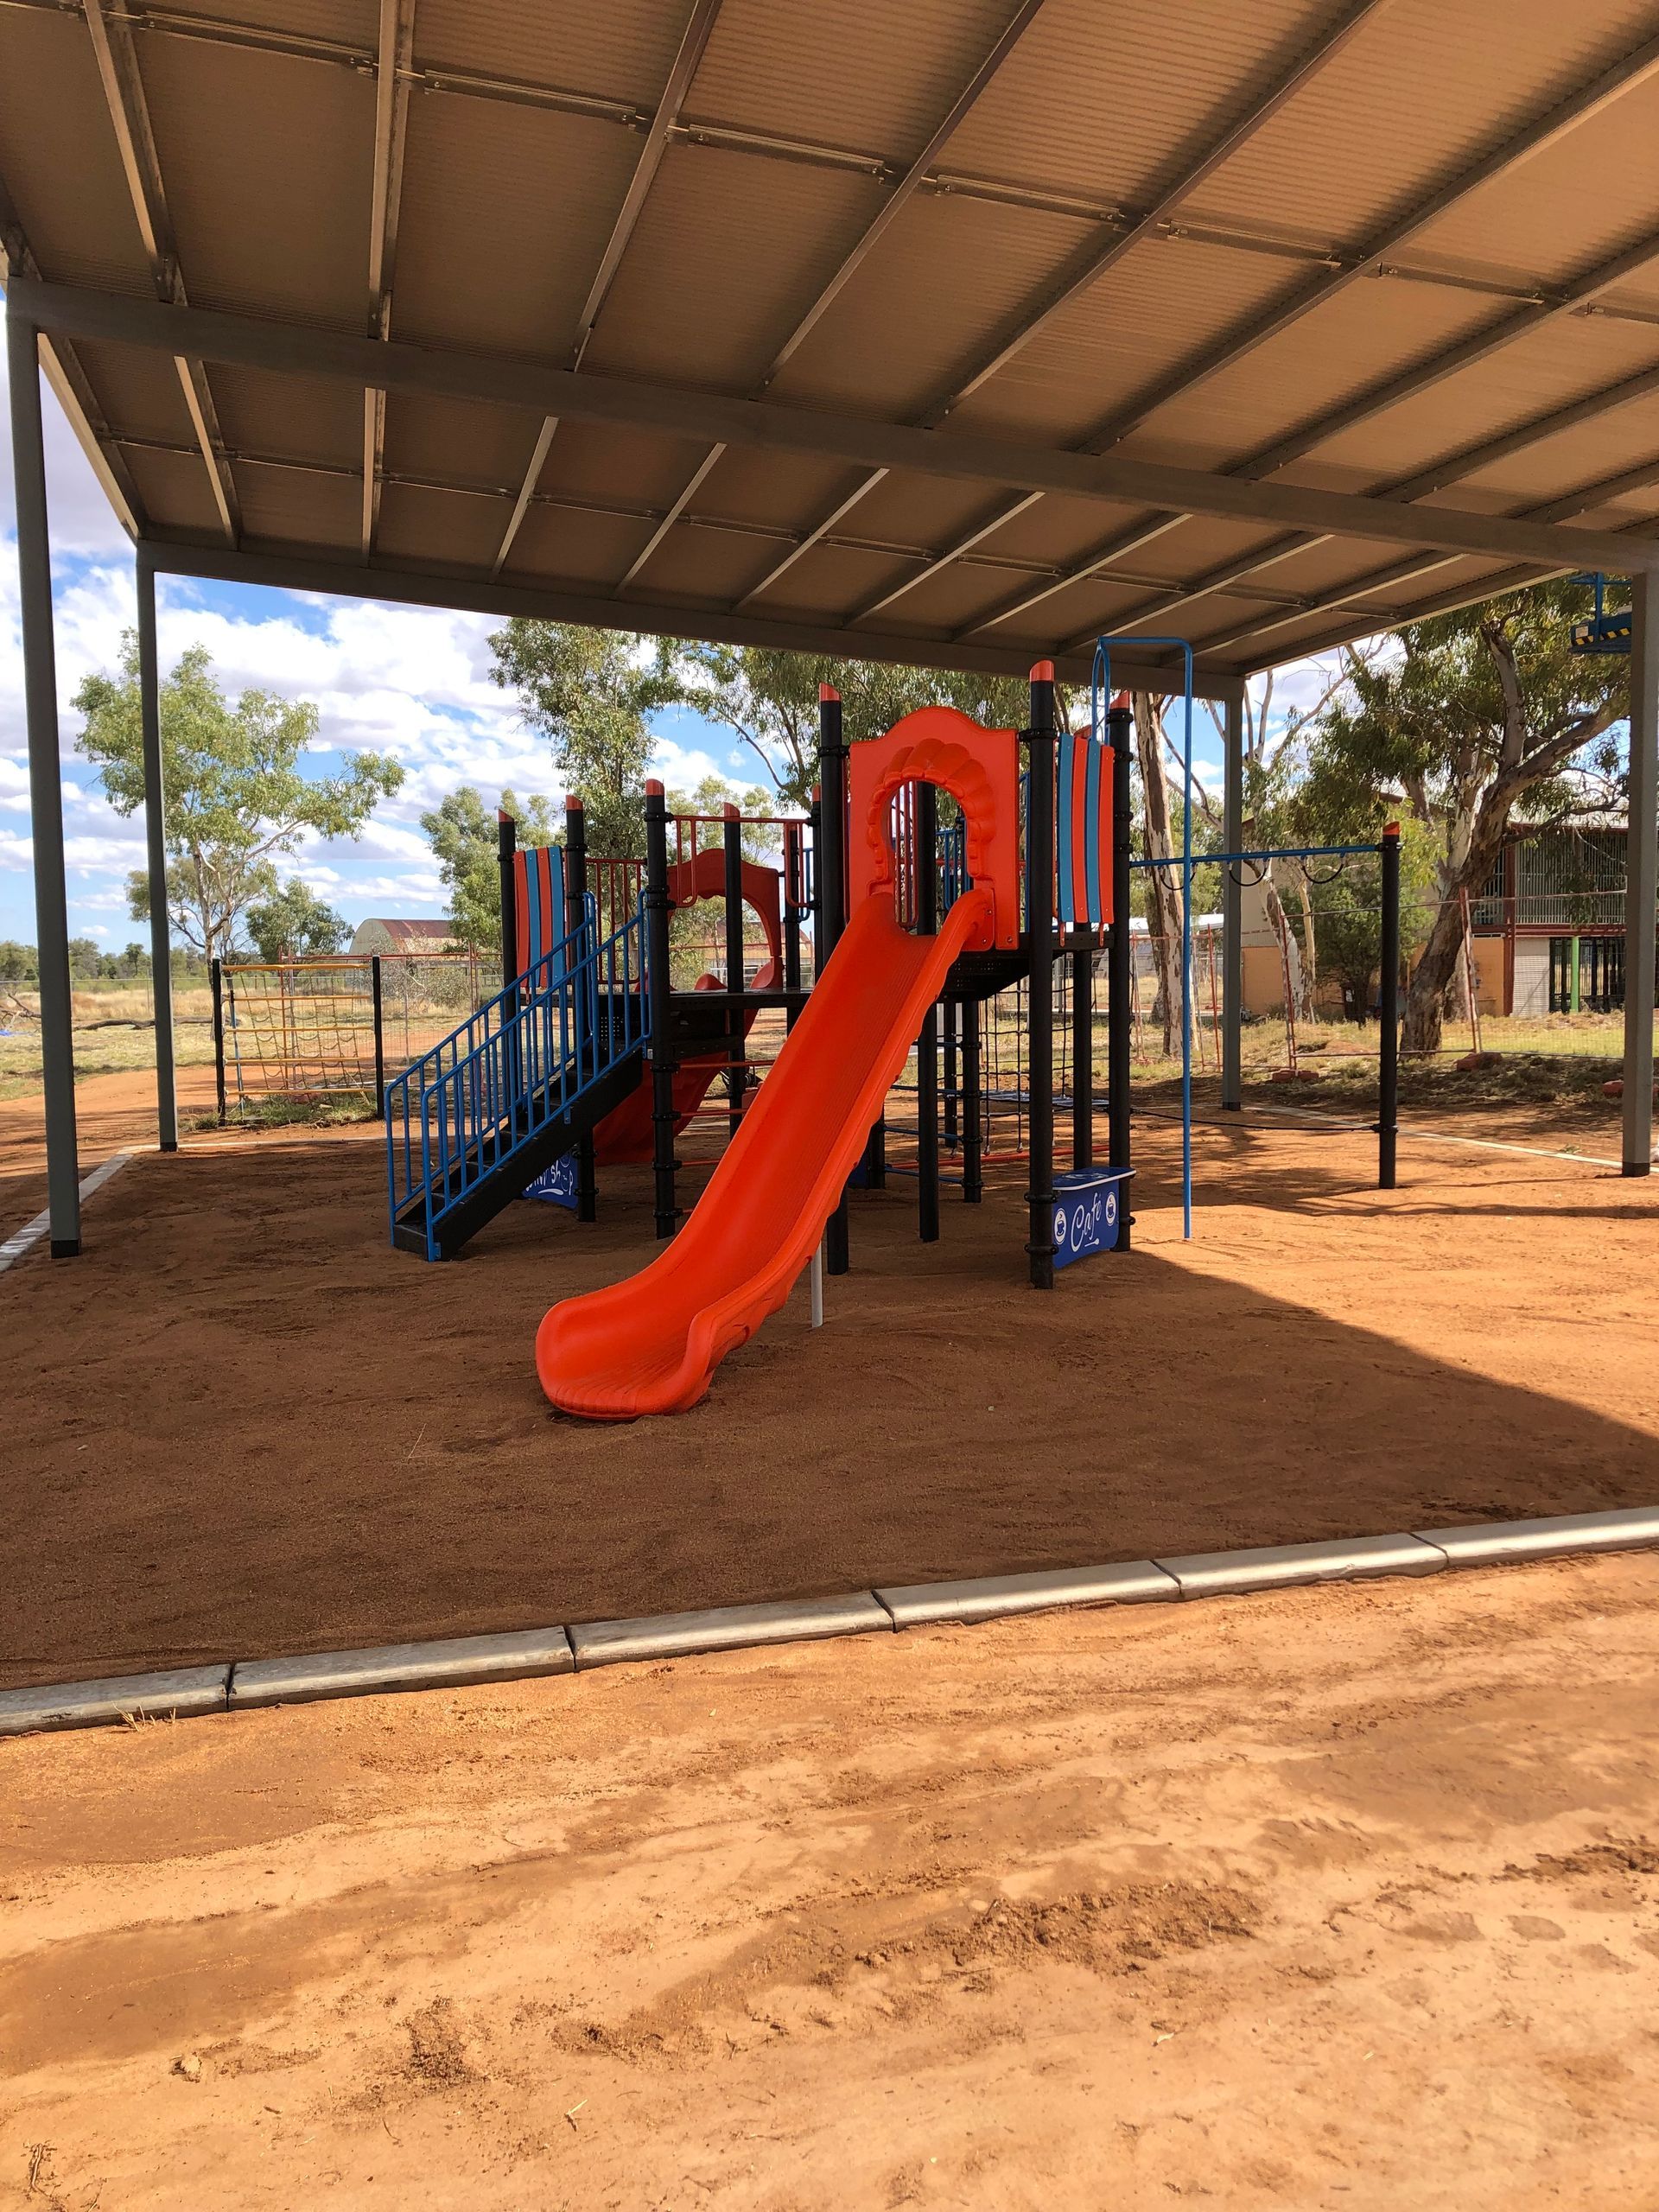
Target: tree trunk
point(1439, 984)
point(1290, 954)
point(1310, 941)
point(1164, 902)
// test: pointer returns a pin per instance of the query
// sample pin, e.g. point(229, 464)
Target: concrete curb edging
point(455, 1662)
point(32, 1231)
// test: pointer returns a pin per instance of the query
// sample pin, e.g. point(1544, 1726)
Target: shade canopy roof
point(956, 331)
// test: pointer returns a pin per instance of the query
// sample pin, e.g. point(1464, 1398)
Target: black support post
point(506, 842)
point(217, 976)
point(736, 1042)
point(1388, 1115)
point(972, 1173)
point(576, 916)
point(794, 907)
point(832, 894)
point(377, 995)
point(924, 853)
point(1039, 931)
point(952, 1074)
point(656, 974)
point(1120, 1033)
point(1082, 1049)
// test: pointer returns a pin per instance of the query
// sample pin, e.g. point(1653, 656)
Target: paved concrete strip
point(449, 1663)
point(988, 1596)
point(1561, 1534)
point(1279, 1566)
point(182, 1690)
point(729, 1628)
point(32, 1231)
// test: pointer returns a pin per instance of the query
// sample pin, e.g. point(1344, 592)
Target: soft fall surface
point(241, 1425)
point(1345, 1899)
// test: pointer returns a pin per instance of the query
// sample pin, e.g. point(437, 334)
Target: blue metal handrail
point(479, 1098)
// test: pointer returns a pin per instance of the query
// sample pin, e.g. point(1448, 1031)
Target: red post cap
point(1390, 829)
point(728, 812)
point(827, 691)
point(654, 788)
point(572, 803)
point(1043, 672)
point(1120, 703)
point(501, 814)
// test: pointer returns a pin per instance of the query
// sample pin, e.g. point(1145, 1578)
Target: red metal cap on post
point(654, 788)
point(1120, 703)
point(573, 805)
point(728, 812)
point(1390, 829)
point(1043, 672)
point(827, 691)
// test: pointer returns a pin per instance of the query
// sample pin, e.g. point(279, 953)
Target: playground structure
point(589, 1056)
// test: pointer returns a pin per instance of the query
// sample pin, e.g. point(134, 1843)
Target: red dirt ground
point(1341, 1901)
point(240, 1424)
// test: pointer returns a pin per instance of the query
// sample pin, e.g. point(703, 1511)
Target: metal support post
point(45, 788)
point(832, 852)
point(1232, 905)
point(161, 935)
point(736, 1036)
point(924, 855)
point(378, 1000)
point(216, 977)
point(1641, 880)
point(972, 1173)
point(1388, 1080)
point(575, 923)
point(1040, 1007)
point(1120, 1032)
point(656, 984)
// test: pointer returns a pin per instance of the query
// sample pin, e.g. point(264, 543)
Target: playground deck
point(244, 1426)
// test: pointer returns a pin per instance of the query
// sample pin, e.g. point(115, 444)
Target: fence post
point(1388, 1086)
point(218, 1036)
point(379, 1035)
point(656, 984)
point(925, 845)
point(576, 919)
point(831, 858)
point(1039, 1000)
point(1120, 967)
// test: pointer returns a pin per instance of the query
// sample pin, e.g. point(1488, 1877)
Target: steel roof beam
point(123, 96)
point(390, 130)
point(694, 42)
point(1081, 275)
point(957, 457)
point(903, 193)
point(489, 595)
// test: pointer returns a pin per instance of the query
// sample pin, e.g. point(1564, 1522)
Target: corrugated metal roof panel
point(175, 491)
point(555, 545)
point(302, 417)
point(284, 506)
point(449, 438)
point(267, 163)
point(58, 156)
point(413, 521)
point(622, 50)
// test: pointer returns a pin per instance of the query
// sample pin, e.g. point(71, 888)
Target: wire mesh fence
point(331, 1028)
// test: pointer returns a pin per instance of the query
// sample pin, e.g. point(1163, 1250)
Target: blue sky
point(407, 681)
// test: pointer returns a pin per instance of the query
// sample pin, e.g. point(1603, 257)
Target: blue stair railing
point(466, 1110)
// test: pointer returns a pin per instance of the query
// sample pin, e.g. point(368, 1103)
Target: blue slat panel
point(1091, 814)
point(1065, 825)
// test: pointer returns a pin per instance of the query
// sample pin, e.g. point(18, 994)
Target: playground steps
point(507, 1156)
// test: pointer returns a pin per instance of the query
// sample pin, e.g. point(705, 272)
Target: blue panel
point(1065, 826)
point(556, 903)
point(557, 1184)
point(533, 944)
point(1087, 1209)
point(1091, 846)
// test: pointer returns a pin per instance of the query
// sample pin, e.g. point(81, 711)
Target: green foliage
point(712, 794)
point(19, 963)
point(770, 700)
point(590, 692)
point(461, 831)
point(294, 923)
point(234, 796)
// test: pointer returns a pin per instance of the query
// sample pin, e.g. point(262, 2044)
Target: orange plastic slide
point(651, 1345)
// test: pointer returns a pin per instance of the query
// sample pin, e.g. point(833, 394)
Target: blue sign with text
point(1088, 1203)
point(557, 1184)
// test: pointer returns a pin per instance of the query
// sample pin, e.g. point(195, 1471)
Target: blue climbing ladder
point(472, 1121)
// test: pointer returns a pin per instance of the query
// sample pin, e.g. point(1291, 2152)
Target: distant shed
point(399, 935)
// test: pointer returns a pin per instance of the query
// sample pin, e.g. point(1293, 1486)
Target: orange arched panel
point(979, 768)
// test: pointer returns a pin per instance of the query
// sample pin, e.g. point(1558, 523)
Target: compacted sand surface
point(240, 1424)
point(1346, 1899)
